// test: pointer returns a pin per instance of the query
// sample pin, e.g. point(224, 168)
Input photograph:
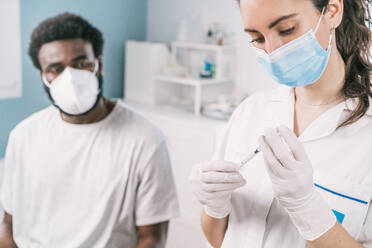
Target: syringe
point(249, 158)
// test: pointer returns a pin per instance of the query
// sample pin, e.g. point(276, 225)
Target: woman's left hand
point(291, 174)
point(287, 164)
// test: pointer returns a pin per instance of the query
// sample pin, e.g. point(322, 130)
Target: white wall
point(164, 17)
point(10, 49)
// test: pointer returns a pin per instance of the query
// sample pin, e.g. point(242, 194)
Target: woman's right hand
point(212, 183)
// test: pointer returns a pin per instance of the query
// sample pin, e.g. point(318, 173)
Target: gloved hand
point(291, 174)
point(212, 183)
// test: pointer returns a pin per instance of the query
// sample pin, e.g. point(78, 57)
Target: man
point(86, 172)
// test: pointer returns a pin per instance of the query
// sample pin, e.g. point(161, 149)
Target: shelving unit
point(201, 46)
point(191, 81)
point(198, 83)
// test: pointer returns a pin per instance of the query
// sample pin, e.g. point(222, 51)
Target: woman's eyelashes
point(258, 40)
point(287, 31)
point(284, 32)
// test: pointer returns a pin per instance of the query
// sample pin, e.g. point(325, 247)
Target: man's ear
point(100, 63)
point(335, 11)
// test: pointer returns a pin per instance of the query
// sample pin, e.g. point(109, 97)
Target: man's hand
point(6, 233)
point(152, 236)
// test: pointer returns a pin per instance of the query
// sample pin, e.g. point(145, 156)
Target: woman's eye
point(287, 31)
point(258, 40)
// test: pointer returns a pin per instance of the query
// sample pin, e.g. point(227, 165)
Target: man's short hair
point(62, 27)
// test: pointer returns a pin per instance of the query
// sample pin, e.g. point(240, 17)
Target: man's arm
point(6, 233)
point(152, 236)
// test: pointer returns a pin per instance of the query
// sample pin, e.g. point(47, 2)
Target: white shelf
point(191, 81)
point(196, 83)
point(220, 52)
point(202, 46)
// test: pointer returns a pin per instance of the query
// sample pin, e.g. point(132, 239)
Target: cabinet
point(190, 140)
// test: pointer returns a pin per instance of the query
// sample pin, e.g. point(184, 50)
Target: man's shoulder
point(34, 120)
point(135, 123)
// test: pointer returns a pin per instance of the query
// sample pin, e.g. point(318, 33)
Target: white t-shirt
point(341, 159)
point(86, 186)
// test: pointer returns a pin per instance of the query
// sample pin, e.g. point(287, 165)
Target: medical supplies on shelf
point(202, 65)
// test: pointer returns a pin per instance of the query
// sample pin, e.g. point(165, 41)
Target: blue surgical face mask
point(298, 63)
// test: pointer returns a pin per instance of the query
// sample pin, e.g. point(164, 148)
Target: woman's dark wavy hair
point(62, 27)
point(353, 38)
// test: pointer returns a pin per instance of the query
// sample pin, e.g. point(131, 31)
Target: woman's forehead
point(262, 12)
point(259, 7)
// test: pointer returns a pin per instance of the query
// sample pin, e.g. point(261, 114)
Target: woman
point(311, 183)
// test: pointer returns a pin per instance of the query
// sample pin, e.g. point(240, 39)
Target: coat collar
point(286, 94)
point(282, 100)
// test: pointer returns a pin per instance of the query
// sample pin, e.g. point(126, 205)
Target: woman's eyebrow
point(273, 24)
point(280, 19)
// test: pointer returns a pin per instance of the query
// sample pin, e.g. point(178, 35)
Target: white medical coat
point(341, 159)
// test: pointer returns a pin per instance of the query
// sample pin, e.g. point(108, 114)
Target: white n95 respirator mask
point(75, 92)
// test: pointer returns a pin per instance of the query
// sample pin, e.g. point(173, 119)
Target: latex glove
point(291, 174)
point(213, 183)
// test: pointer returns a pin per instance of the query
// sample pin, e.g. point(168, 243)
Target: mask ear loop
point(330, 38)
point(96, 67)
point(320, 20)
point(45, 81)
point(318, 25)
